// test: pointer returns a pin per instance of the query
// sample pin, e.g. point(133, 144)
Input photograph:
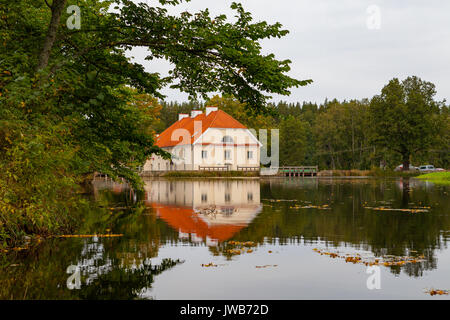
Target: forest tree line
point(337, 134)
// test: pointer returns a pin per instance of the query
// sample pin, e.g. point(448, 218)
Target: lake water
point(280, 238)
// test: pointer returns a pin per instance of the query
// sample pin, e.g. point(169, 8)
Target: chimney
point(182, 116)
point(195, 113)
point(210, 109)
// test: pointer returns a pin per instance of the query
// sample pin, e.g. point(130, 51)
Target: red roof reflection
point(186, 220)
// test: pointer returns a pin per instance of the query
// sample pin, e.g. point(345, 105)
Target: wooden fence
point(213, 168)
point(244, 168)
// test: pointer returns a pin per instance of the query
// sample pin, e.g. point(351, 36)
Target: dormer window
point(227, 139)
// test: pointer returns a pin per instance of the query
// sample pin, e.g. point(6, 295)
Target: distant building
point(210, 140)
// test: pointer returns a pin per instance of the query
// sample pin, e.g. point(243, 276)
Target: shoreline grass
point(375, 172)
point(437, 177)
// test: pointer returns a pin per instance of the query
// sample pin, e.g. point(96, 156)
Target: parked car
point(427, 168)
point(400, 168)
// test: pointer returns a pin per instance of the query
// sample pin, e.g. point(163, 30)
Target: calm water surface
point(291, 229)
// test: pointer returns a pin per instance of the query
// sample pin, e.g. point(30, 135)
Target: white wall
point(211, 141)
point(189, 157)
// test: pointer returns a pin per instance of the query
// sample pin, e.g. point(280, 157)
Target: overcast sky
point(342, 46)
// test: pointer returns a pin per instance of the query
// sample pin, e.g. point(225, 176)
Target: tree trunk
point(405, 162)
point(57, 9)
point(405, 192)
point(86, 183)
point(333, 166)
point(353, 144)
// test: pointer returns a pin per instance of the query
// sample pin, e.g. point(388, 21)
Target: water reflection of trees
point(125, 283)
point(116, 268)
point(121, 268)
point(349, 224)
point(41, 272)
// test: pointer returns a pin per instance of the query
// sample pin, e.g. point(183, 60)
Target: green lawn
point(437, 177)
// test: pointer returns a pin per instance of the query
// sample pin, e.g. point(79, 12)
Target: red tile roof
point(215, 119)
point(186, 220)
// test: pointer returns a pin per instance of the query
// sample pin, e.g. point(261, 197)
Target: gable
point(188, 130)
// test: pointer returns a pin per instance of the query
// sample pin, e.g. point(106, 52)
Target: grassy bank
point(209, 174)
point(375, 172)
point(437, 177)
point(343, 173)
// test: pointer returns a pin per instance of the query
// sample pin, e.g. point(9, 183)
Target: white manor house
point(213, 140)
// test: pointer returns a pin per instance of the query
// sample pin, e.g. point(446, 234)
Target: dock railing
point(213, 168)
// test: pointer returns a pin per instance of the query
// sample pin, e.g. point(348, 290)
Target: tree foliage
point(404, 117)
point(73, 103)
point(333, 135)
point(293, 136)
point(342, 136)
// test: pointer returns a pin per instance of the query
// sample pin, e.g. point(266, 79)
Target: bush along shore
point(377, 172)
point(374, 172)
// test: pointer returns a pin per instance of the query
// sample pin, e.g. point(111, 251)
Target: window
point(204, 197)
point(227, 139)
point(249, 154)
point(249, 196)
point(227, 197)
point(204, 154)
point(227, 154)
point(227, 211)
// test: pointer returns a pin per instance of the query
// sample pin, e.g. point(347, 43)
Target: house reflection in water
point(208, 211)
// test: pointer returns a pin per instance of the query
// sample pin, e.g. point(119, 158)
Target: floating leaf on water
point(280, 200)
point(414, 210)
point(322, 207)
point(387, 260)
point(433, 292)
point(209, 265)
point(266, 266)
point(89, 235)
